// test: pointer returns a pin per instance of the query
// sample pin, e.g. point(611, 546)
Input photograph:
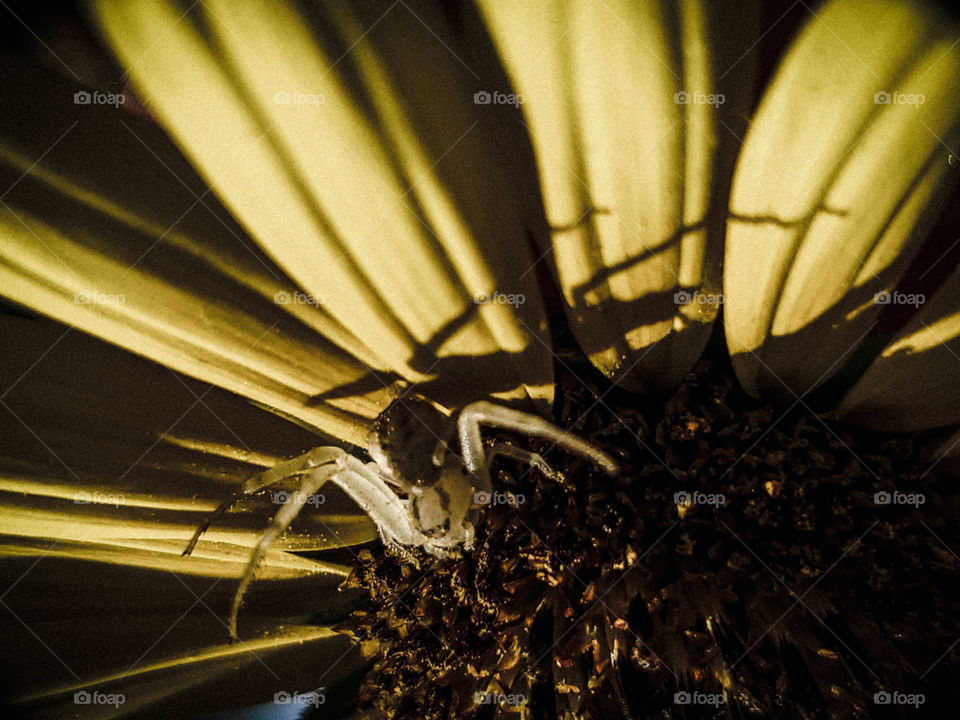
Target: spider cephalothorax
point(436, 458)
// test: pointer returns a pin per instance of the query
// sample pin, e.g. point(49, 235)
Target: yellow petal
point(109, 462)
point(119, 459)
point(315, 154)
point(915, 382)
point(159, 664)
point(104, 227)
point(624, 111)
point(843, 169)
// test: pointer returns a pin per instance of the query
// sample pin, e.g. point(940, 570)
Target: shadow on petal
point(158, 640)
point(844, 170)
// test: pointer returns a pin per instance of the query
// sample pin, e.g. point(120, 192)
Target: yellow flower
point(304, 206)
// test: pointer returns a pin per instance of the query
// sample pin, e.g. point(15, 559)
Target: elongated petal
point(306, 139)
point(844, 168)
point(915, 382)
point(216, 678)
point(104, 227)
point(157, 638)
point(108, 464)
point(119, 459)
point(623, 107)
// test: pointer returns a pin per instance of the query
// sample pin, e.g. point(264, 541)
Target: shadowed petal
point(157, 639)
point(307, 140)
point(915, 382)
point(624, 107)
point(843, 171)
point(109, 462)
point(103, 226)
point(115, 457)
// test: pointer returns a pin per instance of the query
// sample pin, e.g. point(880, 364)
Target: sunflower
point(714, 240)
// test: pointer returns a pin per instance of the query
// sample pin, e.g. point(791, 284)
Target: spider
point(410, 443)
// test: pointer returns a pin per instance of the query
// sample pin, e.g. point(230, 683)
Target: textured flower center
point(740, 564)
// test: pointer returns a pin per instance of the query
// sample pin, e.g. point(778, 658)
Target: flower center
point(751, 559)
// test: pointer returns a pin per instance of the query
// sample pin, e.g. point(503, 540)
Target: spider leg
point(313, 481)
point(369, 489)
point(212, 518)
point(525, 456)
point(296, 466)
point(280, 471)
point(471, 445)
point(486, 413)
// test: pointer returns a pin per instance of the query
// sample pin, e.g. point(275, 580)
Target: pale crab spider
point(409, 444)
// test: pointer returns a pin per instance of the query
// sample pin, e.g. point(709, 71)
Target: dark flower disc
point(750, 561)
